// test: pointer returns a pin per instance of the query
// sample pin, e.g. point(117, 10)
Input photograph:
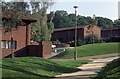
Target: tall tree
point(117, 24)
point(41, 31)
point(92, 25)
point(61, 19)
point(104, 23)
point(71, 19)
point(82, 20)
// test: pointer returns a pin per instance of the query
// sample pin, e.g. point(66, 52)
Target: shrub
point(89, 39)
point(80, 42)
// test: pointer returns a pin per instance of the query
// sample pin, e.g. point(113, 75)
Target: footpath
point(87, 70)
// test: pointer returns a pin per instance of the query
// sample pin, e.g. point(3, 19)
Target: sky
point(103, 8)
point(108, 9)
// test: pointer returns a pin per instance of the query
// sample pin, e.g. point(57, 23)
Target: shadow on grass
point(22, 71)
point(22, 65)
point(49, 66)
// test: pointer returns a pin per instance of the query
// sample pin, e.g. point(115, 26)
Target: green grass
point(72, 63)
point(37, 68)
point(110, 71)
point(90, 50)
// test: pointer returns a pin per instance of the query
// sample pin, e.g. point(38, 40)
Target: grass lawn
point(90, 50)
point(37, 68)
point(110, 71)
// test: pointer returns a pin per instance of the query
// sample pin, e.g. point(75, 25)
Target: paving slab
point(87, 70)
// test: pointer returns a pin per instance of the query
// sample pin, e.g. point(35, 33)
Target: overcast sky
point(103, 8)
point(108, 9)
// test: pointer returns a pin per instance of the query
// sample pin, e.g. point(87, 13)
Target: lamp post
point(75, 52)
point(94, 23)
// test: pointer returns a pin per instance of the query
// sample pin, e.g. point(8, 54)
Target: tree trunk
point(92, 35)
point(12, 52)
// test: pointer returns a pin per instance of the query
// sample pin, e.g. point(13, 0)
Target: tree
point(104, 23)
point(92, 25)
point(61, 19)
point(43, 28)
point(82, 20)
point(116, 24)
point(71, 19)
point(50, 23)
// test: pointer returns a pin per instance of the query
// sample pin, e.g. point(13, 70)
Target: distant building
point(108, 33)
point(67, 35)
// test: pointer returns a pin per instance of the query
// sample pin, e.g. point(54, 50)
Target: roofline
point(70, 28)
point(23, 17)
point(111, 29)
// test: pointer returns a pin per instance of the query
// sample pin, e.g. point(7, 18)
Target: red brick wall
point(46, 48)
point(96, 31)
point(43, 49)
point(19, 36)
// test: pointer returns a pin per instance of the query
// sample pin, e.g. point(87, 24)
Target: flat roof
point(69, 28)
point(23, 17)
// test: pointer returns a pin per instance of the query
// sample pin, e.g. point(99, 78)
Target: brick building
point(68, 34)
point(106, 33)
point(20, 37)
point(21, 41)
point(112, 34)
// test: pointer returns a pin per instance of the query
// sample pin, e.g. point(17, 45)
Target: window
point(7, 44)
point(2, 44)
point(10, 46)
point(14, 44)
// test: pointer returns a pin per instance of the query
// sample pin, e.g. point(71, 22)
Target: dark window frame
point(7, 44)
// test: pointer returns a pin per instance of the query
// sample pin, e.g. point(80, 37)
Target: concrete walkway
point(92, 57)
point(87, 70)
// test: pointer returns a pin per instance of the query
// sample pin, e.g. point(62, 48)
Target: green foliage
point(82, 20)
point(44, 26)
point(90, 50)
point(117, 23)
point(89, 39)
point(63, 19)
point(36, 67)
point(80, 42)
point(104, 22)
point(13, 11)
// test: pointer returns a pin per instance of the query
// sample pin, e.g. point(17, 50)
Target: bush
point(80, 42)
point(111, 39)
point(89, 39)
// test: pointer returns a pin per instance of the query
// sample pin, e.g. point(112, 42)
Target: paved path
point(94, 57)
point(87, 70)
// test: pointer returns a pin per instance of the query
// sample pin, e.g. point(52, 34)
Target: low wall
point(43, 49)
point(46, 48)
